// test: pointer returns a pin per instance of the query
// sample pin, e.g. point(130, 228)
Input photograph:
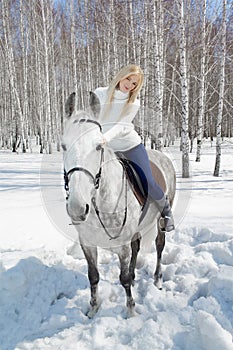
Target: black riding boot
point(166, 214)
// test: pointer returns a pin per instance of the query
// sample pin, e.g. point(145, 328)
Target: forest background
point(49, 49)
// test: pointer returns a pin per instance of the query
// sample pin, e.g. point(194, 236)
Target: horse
point(101, 202)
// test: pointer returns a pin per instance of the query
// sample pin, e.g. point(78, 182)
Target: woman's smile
point(129, 83)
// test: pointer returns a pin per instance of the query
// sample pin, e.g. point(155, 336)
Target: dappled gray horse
point(102, 204)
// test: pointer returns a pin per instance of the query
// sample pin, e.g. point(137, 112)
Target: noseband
point(95, 179)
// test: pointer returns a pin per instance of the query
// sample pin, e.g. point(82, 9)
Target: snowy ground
point(44, 292)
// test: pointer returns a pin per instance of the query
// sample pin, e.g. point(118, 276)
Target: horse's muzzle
point(78, 219)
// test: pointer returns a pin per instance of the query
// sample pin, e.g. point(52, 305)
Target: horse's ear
point(70, 104)
point(94, 104)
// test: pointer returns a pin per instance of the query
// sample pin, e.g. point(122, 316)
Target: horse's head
point(83, 157)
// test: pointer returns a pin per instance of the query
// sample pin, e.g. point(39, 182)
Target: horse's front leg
point(160, 243)
point(126, 277)
point(93, 275)
point(135, 247)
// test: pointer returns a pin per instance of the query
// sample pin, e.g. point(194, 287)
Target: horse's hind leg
point(126, 277)
point(160, 243)
point(135, 247)
point(93, 275)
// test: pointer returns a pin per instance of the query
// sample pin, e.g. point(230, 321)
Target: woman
point(119, 105)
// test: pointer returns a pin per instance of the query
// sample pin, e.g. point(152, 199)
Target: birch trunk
point(73, 48)
point(16, 106)
point(88, 41)
point(24, 47)
point(184, 92)
point(132, 31)
point(202, 85)
point(159, 69)
point(36, 85)
point(221, 91)
point(142, 111)
point(48, 120)
point(56, 129)
point(114, 62)
point(170, 129)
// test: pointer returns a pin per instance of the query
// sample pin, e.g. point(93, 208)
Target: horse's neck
point(112, 178)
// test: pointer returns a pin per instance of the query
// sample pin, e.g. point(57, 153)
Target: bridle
point(95, 179)
point(96, 182)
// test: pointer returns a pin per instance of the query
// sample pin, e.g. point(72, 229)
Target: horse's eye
point(63, 146)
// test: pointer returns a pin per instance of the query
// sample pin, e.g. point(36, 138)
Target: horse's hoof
point(130, 312)
point(93, 311)
point(130, 308)
point(158, 282)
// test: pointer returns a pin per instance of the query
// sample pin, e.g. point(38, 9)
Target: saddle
point(137, 178)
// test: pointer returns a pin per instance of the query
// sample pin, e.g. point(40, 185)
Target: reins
point(96, 182)
point(93, 200)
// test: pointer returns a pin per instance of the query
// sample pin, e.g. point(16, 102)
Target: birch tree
point(159, 67)
point(45, 12)
point(35, 85)
point(202, 84)
point(221, 90)
point(73, 47)
point(184, 91)
point(18, 136)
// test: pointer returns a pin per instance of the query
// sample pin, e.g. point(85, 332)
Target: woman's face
point(129, 83)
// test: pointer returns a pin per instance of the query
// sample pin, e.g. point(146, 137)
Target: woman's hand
point(99, 141)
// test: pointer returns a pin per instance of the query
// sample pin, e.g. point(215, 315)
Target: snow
point(44, 290)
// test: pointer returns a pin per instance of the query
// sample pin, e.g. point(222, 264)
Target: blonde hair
point(125, 72)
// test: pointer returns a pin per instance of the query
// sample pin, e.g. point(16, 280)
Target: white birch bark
point(9, 56)
point(202, 85)
point(89, 58)
point(48, 120)
point(143, 118)
point(73, 48)
point(184, 91)
point(159, 68)
point(24, 48)
point(99, 60)
point(132, 31)
point(56, 128)
point(112, 28)
point(170, 129)
point(221, 91)
point(36, 84)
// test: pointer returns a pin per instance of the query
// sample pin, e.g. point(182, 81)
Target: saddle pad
point(158, 176)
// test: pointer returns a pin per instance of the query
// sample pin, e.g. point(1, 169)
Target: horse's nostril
point(83, 217)
point(87, 209)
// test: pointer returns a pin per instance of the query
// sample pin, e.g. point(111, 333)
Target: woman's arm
point(124, 126)
point(118, 130)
